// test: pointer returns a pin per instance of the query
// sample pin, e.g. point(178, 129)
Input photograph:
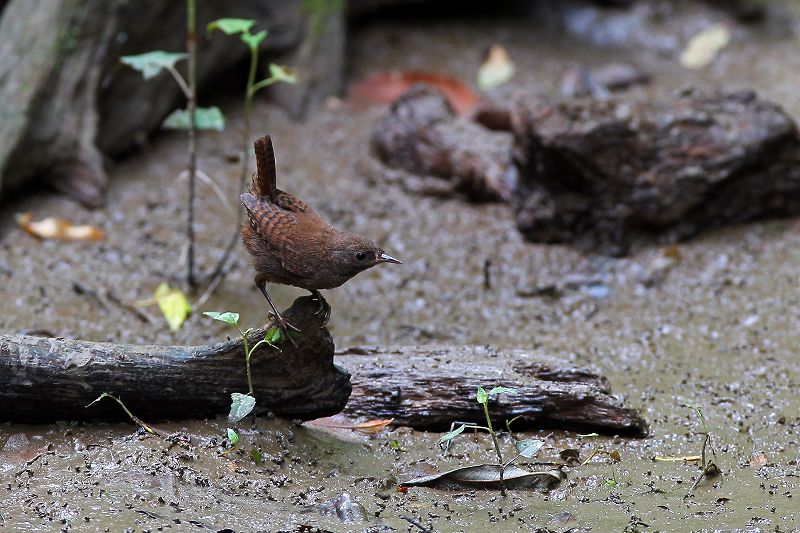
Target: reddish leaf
point(386, 87)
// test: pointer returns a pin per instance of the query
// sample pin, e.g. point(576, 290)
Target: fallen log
point(54, 379)
point(49, 379)
point(430, 387)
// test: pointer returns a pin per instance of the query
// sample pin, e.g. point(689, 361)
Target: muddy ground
point(717, 323)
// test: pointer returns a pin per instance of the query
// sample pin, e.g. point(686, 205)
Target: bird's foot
point(324, 308)
point(284, 326)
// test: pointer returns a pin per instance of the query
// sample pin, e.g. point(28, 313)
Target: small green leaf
point(255, 455)
point(151, 63)
point(241, 406)
point(481, 396)
point(231, 26)
point(273, 334)
point(283, 73)
point(233, 437)
point(227, 317)
point(610, 482)
point(253, 40)
point(173, 304)
point(205, 118)
point(502, 390)
point(529, 447)
point(453, 434)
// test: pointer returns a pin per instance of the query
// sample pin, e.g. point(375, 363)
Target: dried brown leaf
point(370, 427)
point(58, 228)
point(487, 476)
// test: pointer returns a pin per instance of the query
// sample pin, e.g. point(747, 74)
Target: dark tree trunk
point(54, 379)
point(66, 101)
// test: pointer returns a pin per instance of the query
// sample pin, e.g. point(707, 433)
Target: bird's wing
point(275, 226)
point(296, 205)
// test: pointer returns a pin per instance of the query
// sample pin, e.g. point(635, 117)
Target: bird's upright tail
point(264, 182)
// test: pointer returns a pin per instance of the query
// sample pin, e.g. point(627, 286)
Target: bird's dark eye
point(361, 256)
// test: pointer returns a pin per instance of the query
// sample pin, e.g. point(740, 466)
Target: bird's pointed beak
point(385, 258)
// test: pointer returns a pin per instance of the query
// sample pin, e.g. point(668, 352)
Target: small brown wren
point(289, 243)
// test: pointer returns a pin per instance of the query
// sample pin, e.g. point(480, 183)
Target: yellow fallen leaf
point(58, 228)
point(496, 70)
point(687, 458)
point(173, 304)
point(703, 47)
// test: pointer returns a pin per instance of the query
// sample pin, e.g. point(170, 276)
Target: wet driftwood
point(430, 387)
point(51, 379)
point(422, 135)
point(606, 175)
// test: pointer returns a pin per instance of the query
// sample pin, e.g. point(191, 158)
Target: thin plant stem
point(148, 428)
point(496, 447)
point(252, 89)
point(247, 359)
point(191, 48)
point(180, 81)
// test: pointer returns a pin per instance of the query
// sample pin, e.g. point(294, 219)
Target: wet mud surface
point(714, 322)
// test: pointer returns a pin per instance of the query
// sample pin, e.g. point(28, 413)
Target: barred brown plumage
point(291, 244)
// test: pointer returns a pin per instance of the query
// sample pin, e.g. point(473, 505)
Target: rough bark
point(609, 174)
point(51, 379)
point(51, 55)
point(423, 387)
point(422, 134)
point(430, 387)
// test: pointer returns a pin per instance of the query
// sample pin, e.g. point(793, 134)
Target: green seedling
point(527, 448)
point(151, 64)
point(256, 456)
point(277, 73)
point(233, 438)
point(614, 455)
point(709, 467)
point(243, 404)
point(136, 420)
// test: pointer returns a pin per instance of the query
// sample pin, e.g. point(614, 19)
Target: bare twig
point(128, 307)
point(212, 286)
point(100, 297)
point(83, 290)
point(191, 48)
point(213, 185)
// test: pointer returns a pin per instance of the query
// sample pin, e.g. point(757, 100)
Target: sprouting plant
point(710, 468)
point(277, 73)
point(527, 448)
point(233, 439)
point(148, 428)
point(150, 64)
point(614, 455)
point(243, 404)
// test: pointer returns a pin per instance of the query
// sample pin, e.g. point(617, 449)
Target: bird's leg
point(324, 307)
point(282, 324)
